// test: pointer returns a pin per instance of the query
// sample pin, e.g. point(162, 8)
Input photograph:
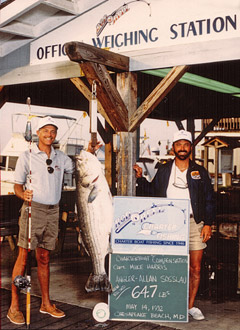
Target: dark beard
point(182, 156)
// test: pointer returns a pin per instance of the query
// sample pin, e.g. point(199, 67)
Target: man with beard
point(181, 178)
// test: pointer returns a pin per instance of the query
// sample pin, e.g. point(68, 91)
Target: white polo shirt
point(47, 187)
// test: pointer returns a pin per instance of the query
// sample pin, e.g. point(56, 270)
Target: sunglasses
point(179, 182)
point(49, 168)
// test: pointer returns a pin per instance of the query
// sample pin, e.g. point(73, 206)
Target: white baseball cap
point(46, 121)
point(182, 135)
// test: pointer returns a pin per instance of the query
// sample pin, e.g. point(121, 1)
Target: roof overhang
point(223, 142)
point(23, 21)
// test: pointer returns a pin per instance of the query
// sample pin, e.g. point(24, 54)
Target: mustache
point(182, 151)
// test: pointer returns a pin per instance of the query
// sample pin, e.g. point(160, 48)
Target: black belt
point(44, 206)
point(52, 206)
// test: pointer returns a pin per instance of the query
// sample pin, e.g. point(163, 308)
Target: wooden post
point(126, 158)
point(110, 161)
point(216, 166)
point(238, 288)
point(191, 128)
point(205, 162)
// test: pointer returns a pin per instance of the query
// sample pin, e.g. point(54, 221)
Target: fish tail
point(98, 283)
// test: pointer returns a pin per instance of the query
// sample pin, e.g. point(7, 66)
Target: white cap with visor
point(182, 135)
point(46, 121)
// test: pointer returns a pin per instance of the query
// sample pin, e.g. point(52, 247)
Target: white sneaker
point(196, 313)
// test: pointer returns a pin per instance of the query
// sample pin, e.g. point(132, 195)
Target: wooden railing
point(225, 124)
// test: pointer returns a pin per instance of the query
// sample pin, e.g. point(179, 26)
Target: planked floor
point(76, 317)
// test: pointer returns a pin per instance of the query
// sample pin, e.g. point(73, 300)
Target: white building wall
point(211, 150)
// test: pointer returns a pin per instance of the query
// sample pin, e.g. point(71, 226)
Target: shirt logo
point(195, 175)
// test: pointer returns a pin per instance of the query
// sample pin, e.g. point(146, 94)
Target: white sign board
point(150, 225)
point(138, 28)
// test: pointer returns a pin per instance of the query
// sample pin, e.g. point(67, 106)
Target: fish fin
point(80, 242)
point(93, 194)
point(98, 283)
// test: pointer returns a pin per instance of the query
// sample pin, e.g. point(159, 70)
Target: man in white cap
point(47, 168)
point(181, 178)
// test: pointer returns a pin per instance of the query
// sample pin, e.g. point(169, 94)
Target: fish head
point(88, 168)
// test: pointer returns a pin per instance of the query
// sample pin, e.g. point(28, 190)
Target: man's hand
point(206, 233)
point(27, 195)
point(95, 148)
point(138, 171)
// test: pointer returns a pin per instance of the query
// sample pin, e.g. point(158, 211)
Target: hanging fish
point(95, 214)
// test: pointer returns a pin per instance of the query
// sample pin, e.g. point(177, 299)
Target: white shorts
point(195, 241)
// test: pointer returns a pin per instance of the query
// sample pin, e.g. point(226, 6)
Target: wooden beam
point(156, 96)
point(206, 130)
point(103, 133)
point(107, 94)
point(94, 63)
point(81, 52)
point(87, 93)
point(179, 124)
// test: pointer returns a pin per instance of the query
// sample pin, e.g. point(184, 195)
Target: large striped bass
point(95, 213)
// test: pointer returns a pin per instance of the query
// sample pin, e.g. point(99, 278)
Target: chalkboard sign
point(149, 287)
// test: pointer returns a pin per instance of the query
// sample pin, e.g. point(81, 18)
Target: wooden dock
point(77, 318)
